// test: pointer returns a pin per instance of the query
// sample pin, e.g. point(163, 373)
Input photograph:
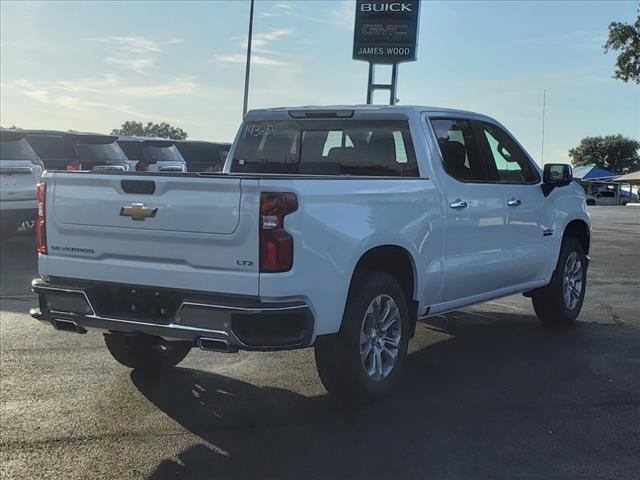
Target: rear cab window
point(15, 147)
point(161, 153)
point(326, 147)
point(55, 150)
point(151, 151)
point(202, 156)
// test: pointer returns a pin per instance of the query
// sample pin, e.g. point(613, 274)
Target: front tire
point(145, 352)
point(559, 303)
point(363, 360)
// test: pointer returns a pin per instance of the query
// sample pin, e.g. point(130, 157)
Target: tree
point(160, 130)
point(625, 38)
point(616, 153)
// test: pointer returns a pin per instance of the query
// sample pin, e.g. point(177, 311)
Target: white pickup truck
point(332, 227)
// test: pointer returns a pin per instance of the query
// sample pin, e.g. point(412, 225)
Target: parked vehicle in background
point(152, 154)
point(78, 151)
point(20, 171)
point(603, 197)
point(54, 148)
point(202, 156)
point(337, 228)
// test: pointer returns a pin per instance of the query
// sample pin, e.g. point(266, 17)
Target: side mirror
point(556, 175)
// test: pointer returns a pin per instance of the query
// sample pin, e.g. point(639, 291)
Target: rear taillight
point(73, 166)
point(142, 167)
point(276, 245)
point(40, 226)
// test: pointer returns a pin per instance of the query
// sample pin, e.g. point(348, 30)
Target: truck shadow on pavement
point(497, 398)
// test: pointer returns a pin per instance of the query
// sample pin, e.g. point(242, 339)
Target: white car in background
point(152, 154)
point(605, 198)
point(20, 171)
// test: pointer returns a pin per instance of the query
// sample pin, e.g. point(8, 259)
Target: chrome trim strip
point(173, 326)
point(243, 309)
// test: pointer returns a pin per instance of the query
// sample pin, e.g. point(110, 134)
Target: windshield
point(17, 150)
point(326, 147)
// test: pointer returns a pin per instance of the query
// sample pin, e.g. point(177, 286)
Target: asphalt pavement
point(487, 393)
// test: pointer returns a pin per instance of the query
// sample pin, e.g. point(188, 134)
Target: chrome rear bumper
point(239, 323)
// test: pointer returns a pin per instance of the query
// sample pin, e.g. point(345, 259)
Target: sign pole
point(392, 87)
point(369, 84)
point(385, 33)
point(248, 68)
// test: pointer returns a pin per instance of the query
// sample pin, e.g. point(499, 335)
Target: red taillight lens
point(142, 167)
point(40, 225)
point(276, 245)
point(73, 166)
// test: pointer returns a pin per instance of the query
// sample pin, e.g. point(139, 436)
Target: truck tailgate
point(192, 233)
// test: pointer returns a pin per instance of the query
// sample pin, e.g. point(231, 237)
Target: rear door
point(192, 233)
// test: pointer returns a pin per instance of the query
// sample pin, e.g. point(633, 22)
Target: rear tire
point(145, 352)
point(559, 303)
point(363, 360)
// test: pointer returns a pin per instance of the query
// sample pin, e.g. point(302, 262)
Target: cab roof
point(353, 111)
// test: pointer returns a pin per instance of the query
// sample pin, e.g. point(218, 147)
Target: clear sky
point(90, 66)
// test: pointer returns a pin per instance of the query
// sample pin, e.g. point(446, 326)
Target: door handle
point(458, 204)
point(514, 202)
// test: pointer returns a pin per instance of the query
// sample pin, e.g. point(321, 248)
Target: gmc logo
point(385, 7)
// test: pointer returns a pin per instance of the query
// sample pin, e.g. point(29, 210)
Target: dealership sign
point(386, 31)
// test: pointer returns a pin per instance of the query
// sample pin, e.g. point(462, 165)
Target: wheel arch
point(398, 262)
point(579, 229)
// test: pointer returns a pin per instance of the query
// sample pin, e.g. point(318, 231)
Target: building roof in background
point(591, 172)
point(633, 177)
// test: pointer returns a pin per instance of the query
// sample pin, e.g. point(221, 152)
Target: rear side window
point(17, 150)
point(461, 156)
point(326, 147)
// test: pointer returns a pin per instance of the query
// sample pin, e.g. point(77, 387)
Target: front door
point(477, 249)
point(528, 244)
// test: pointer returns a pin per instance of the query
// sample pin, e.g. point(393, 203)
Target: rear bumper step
point(213, 323)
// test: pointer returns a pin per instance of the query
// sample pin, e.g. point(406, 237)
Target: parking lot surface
point(487, 393)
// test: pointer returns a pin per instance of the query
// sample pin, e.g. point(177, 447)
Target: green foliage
point(625, 38)
point(616, 153)
point(160, 130)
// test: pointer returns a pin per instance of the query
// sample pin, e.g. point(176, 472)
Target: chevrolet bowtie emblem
point(137, 211)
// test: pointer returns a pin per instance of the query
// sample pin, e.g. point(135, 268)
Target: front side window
point(506, 161)
point(327, 147)
point(461, 156)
